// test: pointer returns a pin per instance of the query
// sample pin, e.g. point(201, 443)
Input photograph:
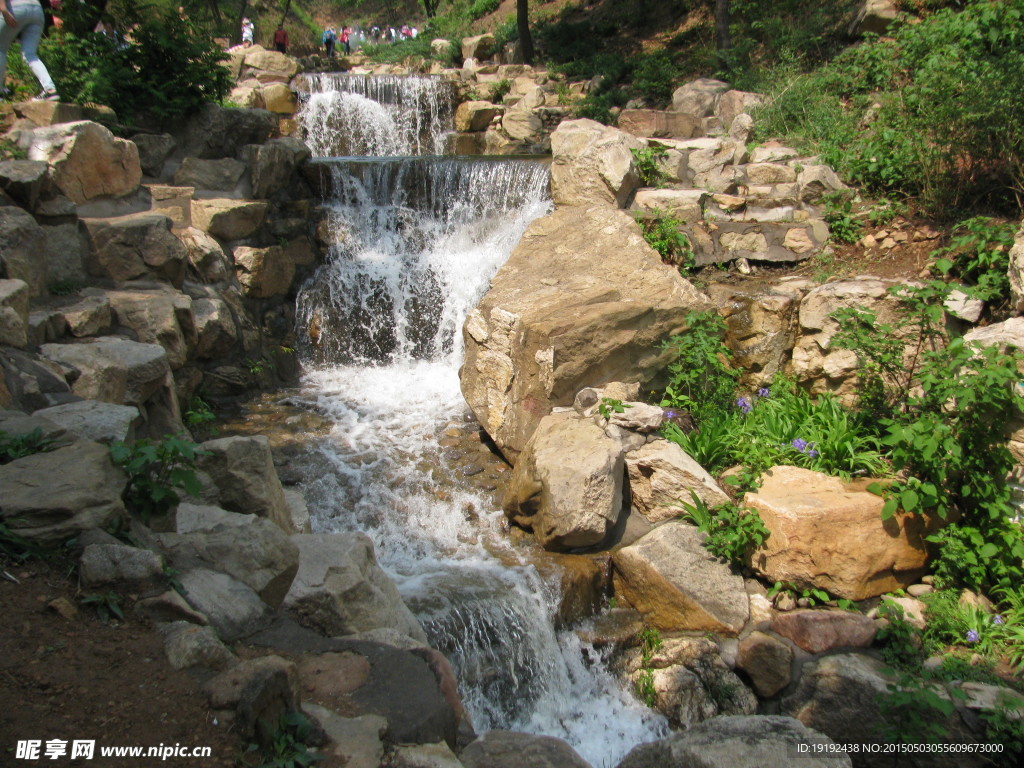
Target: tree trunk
point(523, 23)
point(287, 7)
point(724, 42)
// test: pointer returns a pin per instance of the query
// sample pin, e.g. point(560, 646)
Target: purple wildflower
point(972, 636)
point(997, 620)
point(800, 444)
point(744, 404)
point(812, 453)
point(764, 392)
point(670, 414)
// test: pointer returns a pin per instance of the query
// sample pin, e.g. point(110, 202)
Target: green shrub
point(842, 225)
point(482, 8)
point(157, 471)
point(648, 165)
point(701, 379)
point(979, 254)
point(169, 70)
point(654, 77)
point(663, 233)
point(18, 446)
point(732, 533)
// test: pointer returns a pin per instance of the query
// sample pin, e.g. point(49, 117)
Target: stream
point(417, 237)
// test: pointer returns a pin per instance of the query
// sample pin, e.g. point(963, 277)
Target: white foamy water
point(377, 115)
point(418, 242)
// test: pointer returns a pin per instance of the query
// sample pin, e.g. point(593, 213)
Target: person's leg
point(31, 25)
point(7, 35)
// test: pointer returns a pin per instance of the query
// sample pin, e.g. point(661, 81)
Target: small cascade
point(377, 115)
point(416, 241)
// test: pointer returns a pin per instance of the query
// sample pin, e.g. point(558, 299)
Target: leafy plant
point(900, 640)
point(1004, 726)
point(843, 225)
point(157, 471)
point(732, 533)
point(18, 446)
point(481, 8)
point(106, 604)
point(813, 595)
point(288, 749)
point(884, 211)
point(648, 164)
point(15, 546)
point(701, 378)
point(663, 233)
point(914, 712)
point(610, 405)
point(650, 642)
point(979, 254)
point(200, 416)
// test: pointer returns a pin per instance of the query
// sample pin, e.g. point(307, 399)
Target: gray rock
point(232, 608)
point(298, 511)
point(509, 749)
point(356, 740)
point(425, 756)
point(225, 690)
point(274, 164)
point(205, 255)
point(154, 149)
point(678, 585)
point(18, 423)
point(249, 548)
point(218, 132)
point(94, 420)
point(168, 606)
point(102, 564)
point(738, 742)
point(242, 468)
point(24, 180)
point(339, 588)
point(23, 249)
point(221, 175)
point(66, 249)
point(14, 313)
point(161, 317)
point(89, 317)
point(52, 497)
point(32, 381)
point(188, 646)
point(767, 661)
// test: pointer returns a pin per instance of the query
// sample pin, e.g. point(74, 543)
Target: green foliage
point(288, 749)
point(662, 232)
point(199, 416)
point(979, 254)
point(500, 90)
point(1004, 725)
point(482, 8)
point(157, 471)
point(914, 712)
point(701, 379)
point(654, 77)
point(65, 287)
point(17, 547)
point(884, 211)
point(650, 642)
point(610, 405)
point(784, 425)
point(167, 71)
point(18, 446)
point(648, 165)
point(843, 226)
point(397, 53)
point(901, 642)
point(935, 113)
point(106, 604)
point(812, 595)
point(732, 533)
point(11, 151)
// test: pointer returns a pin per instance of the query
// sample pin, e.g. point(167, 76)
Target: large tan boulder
point(678, 585)
point(228, 219)
point(138, 245)
point(658, 123)
point(476, 115)
point(279, 99)
point(582, 301)
point(205, 255)
point(268, 66)
point(698, 98)
point(661, 475)
point(1016, 271)
point(263, 272)
point(522, 125)
point(88, 161)
point(591, 164)
point(828, 534)
point(479, 47)
point(567, 504)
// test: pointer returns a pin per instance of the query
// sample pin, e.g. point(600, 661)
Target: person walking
point(248, 32)
point(281, 39)
point(345, 33)
point(328, 41)
point(23, 20)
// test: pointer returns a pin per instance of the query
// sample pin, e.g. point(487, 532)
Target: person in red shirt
point(281, 39)
point(345, 33)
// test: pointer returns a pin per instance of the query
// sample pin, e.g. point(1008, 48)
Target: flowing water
point(417, 242)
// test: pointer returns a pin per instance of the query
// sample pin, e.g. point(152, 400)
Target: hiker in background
point(23, 20)
point(281, 39)
point(328, 41)
point(248, 32)
point(345, 34)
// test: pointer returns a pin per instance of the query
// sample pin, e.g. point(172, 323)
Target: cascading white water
point(417, 243)
point(377, 115)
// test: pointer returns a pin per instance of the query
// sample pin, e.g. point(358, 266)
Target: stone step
point(722, 242)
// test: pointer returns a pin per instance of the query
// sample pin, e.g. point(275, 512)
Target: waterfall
point(416, 242)
point(379, 115)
